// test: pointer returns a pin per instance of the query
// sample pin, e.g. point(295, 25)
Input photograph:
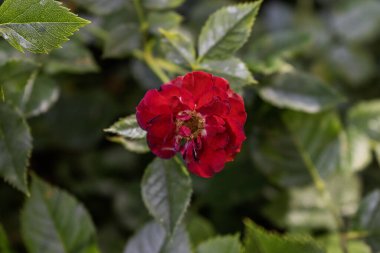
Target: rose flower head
point(197, 115)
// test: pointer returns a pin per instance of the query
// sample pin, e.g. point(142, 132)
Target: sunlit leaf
point(37, 26)
point(227, 30)
point(257, 240)
point(161, 4)
point(222, 244)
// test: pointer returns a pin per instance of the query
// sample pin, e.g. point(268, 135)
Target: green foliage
point(233, 69)
point(129, 134)
point(4, 244)
point(227, 30)
point(122, 40)
point(224, 244)
point(177, 47)
point(300, 92)
point(37, 25)
point(166, 190)
point(54, 221)
point(257, 240)
point(368, 219)
point(161, 4)
point(15, 147)
point(151, 239)
point(365, 117)
point(200, 229)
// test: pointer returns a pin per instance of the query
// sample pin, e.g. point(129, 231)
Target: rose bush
point(197, 115)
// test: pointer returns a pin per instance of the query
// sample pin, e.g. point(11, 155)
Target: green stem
point(141, 17)
point(152, 64)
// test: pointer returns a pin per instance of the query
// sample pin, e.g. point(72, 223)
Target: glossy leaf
point(257, 240)
point(127, 132)
point(15, 147)
point(359, 149)
point(178, 47)
point(163, 20)
point(222, 244)
point(161, 4)
point(54, 221)
point(39, 95)
point(301, 92)
point(73, 58)
point(365, 117)
point(368, 219)
point(37, 26)
point(233, 69)
point(227, 30)
point(122, 40)
point(152, 238)
point(166, 191)
point(149, 239)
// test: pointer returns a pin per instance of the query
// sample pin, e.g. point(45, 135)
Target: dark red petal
point(237, 108)
point(197, 83)
point(237, 136)
point(161, 136)
point(214, 125)
point(152, 105)
point(216, 107)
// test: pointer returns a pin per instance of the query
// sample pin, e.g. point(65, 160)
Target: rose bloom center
point(192, 120)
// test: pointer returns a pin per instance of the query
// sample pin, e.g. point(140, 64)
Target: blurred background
point(335, 42)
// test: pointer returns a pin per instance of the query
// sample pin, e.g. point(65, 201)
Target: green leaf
point(199, 229)
point(318, 139)
point(268, 54)
point(306, 209)
point(227, 30)
point(163, 20)
point(285, 153)
point(151, 239)
point(122, 40)
point(221, 244)
point(4, 244)
point(54, 221)
point(127, 132)
point(257, 240)
point(349, 22)
point(359, 149)
point(15, 147)
point(23, 87)
point(377, 152)
point(161, 4)
point(233, 69)
point(368, 219)
point(177, 47)
point(40, 94)
point(301, 92)
point(166, 191)
point(37, 26)
point(333, 245)
point(73, 58)
point(365, 117)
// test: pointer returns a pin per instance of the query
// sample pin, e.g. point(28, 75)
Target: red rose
point(198, 115)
